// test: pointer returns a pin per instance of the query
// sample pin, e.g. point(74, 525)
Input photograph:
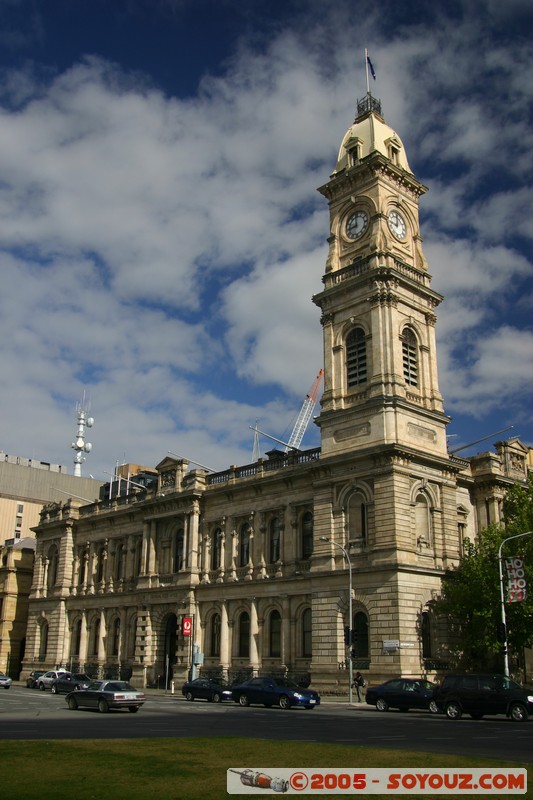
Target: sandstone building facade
point(257, 559)
point(26, 484)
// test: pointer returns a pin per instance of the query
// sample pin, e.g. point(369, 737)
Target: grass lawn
point(186, 769)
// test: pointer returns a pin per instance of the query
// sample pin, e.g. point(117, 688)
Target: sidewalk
point(324, 699)
point(177, 695)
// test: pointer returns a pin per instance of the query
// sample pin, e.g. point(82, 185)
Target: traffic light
point(501, 632)
point(347, 636)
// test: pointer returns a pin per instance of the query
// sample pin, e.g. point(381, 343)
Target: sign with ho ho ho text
point(516, 580)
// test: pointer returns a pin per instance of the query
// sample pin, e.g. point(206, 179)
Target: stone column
point(84, 560)
point(193, 538)
point(232, 542)
point(90, 570)
point(122, 655)
point(254, 633)
point(251, 533)
point(150, 566)
point(75, 574)
point(205, 550)
point(286, 658)
point(45, 577)
point(104, 583)
point(145, 548)
point(83, 640)
point(102, 640)
point(225, 658)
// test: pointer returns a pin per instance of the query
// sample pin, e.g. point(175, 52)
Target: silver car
point(45, 681)
point(104, 695)
point(5, 681)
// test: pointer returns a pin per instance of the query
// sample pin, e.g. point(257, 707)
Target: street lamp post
point(502, 597)
point(350, 612)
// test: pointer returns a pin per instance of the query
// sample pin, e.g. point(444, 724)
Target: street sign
point(186, 626)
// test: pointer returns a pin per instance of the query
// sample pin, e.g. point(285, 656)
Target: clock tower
point(378, 308)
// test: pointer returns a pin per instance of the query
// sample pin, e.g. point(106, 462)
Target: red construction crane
point(305, 414)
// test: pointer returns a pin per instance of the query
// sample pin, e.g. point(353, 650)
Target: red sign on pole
point(186, 626)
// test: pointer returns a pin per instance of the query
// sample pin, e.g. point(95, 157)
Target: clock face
point(357, 225)
point(397, 224)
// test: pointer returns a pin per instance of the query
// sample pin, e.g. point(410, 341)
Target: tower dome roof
point(369, 134)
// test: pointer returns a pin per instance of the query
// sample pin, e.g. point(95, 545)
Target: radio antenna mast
point(80, 445)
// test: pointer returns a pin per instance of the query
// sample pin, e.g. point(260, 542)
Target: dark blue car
point(214, 691)
point(402, 693)
point(274, 692)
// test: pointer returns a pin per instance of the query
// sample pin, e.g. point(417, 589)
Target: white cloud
point(162, 252)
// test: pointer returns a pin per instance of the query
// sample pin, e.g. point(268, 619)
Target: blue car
point(402, 693)
point(214, 691)
point(274, 692)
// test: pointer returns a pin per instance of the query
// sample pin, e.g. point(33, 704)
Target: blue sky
point(161, 235)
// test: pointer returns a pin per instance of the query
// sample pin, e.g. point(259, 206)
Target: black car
point(481, 694)
point(214, 691)
point(402, 693)
point(274, 691)
point(31, 680)
point(69, 681)
point(104, 695)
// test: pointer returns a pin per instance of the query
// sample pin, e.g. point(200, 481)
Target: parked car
point(104, 695)
point(46, 680)
point(69, 682)
point(5, 681)
point(402, 693)
point(31, 680)
point(214, 691)
point(274, 691)
point(481, 694)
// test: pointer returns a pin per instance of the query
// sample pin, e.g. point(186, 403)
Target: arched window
point(274, 645)
point(82, 567)
point(216, 549)
point(357, 518)
point(137, 556)
point(356, 369)
point(43, 640)
point(119, 561)
point(132, 635)
point(307, 535)
point(244, 545)
point(360, 628)
point(214, 649)
point(425, 634)
point(52, 567)
point(76, 639)
point(115, 637)
point(410, 357)
point(244, 635)
point(95, 638)
point(307, 631)
point(179, 552)
point(422, 521)
point(100, 568)
point(274, 540)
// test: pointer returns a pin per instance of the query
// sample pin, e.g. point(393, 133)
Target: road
point(30, 714)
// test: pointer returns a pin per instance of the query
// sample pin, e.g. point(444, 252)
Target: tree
point(471, 599)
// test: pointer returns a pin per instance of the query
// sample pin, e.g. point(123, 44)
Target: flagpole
point(366, 68)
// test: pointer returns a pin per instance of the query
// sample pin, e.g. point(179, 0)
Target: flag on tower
point(370, 66)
